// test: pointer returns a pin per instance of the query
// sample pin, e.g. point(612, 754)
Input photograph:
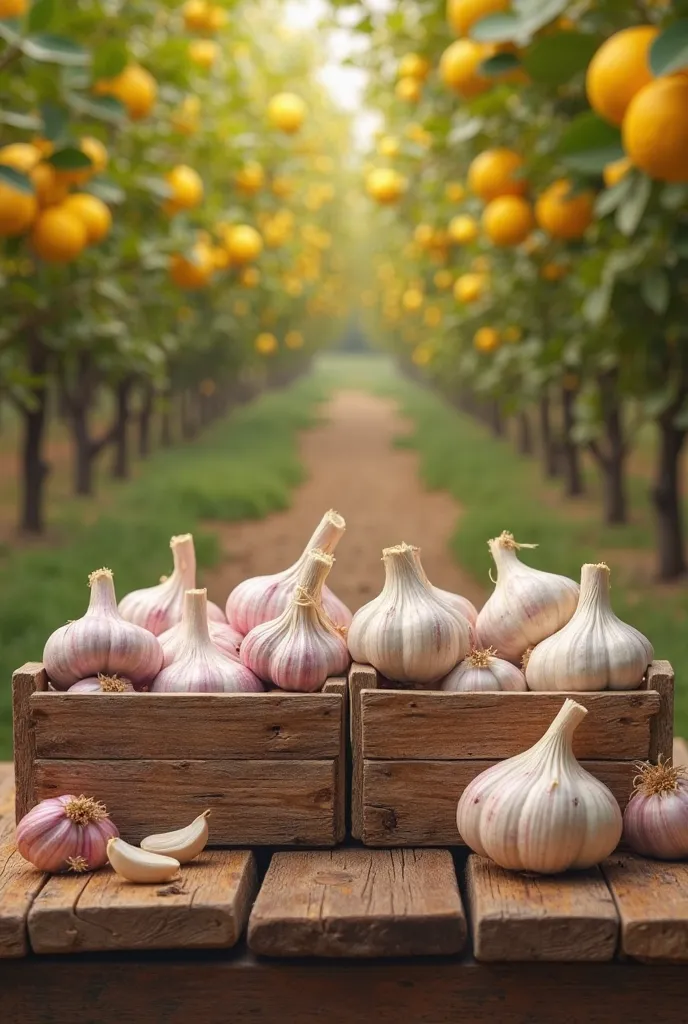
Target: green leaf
point(673, 197)
point(157, 187)
point(611, 198)
point(588, 144)
point(103, 108)
point(41, 15)
point(497, 28)
point(50, 49)
point(630, 212)
point(55, 120)
point(110, 59)
point(535, 14)
point(107, 190)
point(70, 159)
point(596, 306)
point(654, 288)
point(555, 59)
point(16, 179)
point(27, 122)
point(499, 64)
point(669, 51)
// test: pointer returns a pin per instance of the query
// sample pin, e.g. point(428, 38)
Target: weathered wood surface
point(660, 677)
point(26, 680)
point(254, 803)
point(207, 908)
point(358, 903)
point(341, 768)
point(652, 900)
point(19, 884)
point(413, 803)
point(213, 726)
point(361, 677)
point(451, 726)
point(526, 917)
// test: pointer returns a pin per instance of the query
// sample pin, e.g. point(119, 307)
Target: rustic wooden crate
point(271, 767)
point(414, 751)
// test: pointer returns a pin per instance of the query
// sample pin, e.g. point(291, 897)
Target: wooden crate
point(414, 752)
point(271, 767)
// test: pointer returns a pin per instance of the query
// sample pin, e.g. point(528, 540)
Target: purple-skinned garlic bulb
point(159, 608)
point(101, 642)
point(302, 647)
point(102, 684)
point(66, 833)
point(263, 598)
point(199, 667)
point(224, 637)
point(655, 822)
point(481, 670)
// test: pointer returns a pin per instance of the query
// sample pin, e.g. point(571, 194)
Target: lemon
point(93, 213)
point(508, 220)
point(463, 14)
point(615, 171)
point(619, 70)
point(50, 188)
point(563, 215)
point(655, 129)
point(454, 191)
point(469, 287)
point(460, 67)
point(385, 184)
point(196, 14)
point(203, 53)
point(244, 244)
point(463, 229)
point(287, 112)
point(412, 65)
point(412, 300)
point(22, 156)
point(493, 173)
point(134, 87)
point(266, 344)
point(193, 274)
point(408, 89)
point(17, 211)
point(486, 339)
point(186, 186)
point(59, 235)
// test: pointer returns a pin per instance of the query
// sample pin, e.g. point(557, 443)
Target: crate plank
point(19, 885)
point(361, 677)
point(547, 918)
point(358, 903)
point(413, 803)
point(652, 899)
point(208, 908)
point(253, 802)
point(25, 681)
point(447, 726)
point(126, 726)
point(340, 686)
point(660, 677)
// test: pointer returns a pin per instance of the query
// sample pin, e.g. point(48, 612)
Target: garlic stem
point(102, 600)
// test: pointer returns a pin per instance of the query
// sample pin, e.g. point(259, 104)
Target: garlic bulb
point(264, 598)
point(407, 632)
point(66, 833)
point(140, 866)
point(199, 667)
point(101, 641)
point(102, 684)
point(481, 670)
point(595, 650)
point(526, 605)
point(541, 811)
point(159, 608)
point(183, 844)
point(301, 648)
point(656, 819)
point(461, 604)
point(224, 637)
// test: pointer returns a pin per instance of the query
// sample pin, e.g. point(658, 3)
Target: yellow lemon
point(293, 339)
point(615, 171)
point(469, 287)
point(250, 277)
point(203, 53)
point(493, 173)
point(134, 87)
point(460, 67)
point(385, 184)
point(619, 70)
point(463, 14)
point(50, 188)
point(266, 344)
point(17, 211)
point(412, 65)
point(655, 129)
point(563, 215)
point(22, 156)
point(486, 339)
point(196, 14)
point(412, 300)
point(195, 273)
point(508, 220)
point(59, 235)
point(388, 146)
point(409, 90)
point(282, 187)
point(186, 186)
point(287, 112)
point(454, 191)
point(463, 229)
point(244, 244)
point(93, 213)
point(251, 178)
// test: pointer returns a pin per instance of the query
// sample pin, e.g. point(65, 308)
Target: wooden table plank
point(358, 903)
point(652, 899)
point(549, 918)
point(207, 908)
point(19, 885)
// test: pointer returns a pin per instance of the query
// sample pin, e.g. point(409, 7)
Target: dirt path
point(353, 467)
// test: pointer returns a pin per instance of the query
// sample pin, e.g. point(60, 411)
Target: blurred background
point(422, 262)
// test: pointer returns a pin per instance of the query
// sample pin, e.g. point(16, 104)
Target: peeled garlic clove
point(541, 811)
point(408, 633)
point(655, 821)
point(140, 866)
point(223, 636)
point(301, 648)
point(595, 650)
point(183, 844)
point(526, 605)
point(481, 670)
point(264, 598)
point(101, 642)
point(159, 608)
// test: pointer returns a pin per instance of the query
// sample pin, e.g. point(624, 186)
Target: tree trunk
point(34, 468)
point(614, 491)
point(573, 477)
point(144, 420)
point(666, 495)
point(189, 420)
point(120, 465)
point(524, 437)
point(496, 419)
point(166, 423)
point(547, 442)
point(613, 465)
point(83, 451)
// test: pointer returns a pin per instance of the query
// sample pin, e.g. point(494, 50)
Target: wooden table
point(234, 985)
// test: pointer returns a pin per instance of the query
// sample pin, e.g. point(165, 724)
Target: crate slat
point(358, 903)
point(660, 677)
point(411, 724)
point(413, 803)
point(652, 900)
point(548, 918)
point(254, 803)
point(25, 681)
point(20, 883)
point(207, 908)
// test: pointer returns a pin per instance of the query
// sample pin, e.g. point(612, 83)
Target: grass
point(243, 468)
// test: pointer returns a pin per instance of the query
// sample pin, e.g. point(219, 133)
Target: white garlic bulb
point(407, 632)
point(481, 670)
point(461, 604)
point(526, 605)
point(159, 608)
point(595, 650)
point(224, 637)
point(263, 598)
point(541, 811)
point(302, 647)
point(199, 666)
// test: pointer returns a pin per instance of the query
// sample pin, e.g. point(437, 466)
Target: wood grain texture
point(525, 917)
point(341, 774)
point(451, 726)
point(208, 908)
point(361, 677)
point(213, 726)
point(358, 903)
point(413, 803)
point(652, 900)
point(660, 677)
point(19, 885)
point(27, 680)
point(254, 803)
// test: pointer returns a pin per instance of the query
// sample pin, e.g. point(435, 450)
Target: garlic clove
point(482, 671)
point(184, 843)
point(595, 650)
point(140, 866)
